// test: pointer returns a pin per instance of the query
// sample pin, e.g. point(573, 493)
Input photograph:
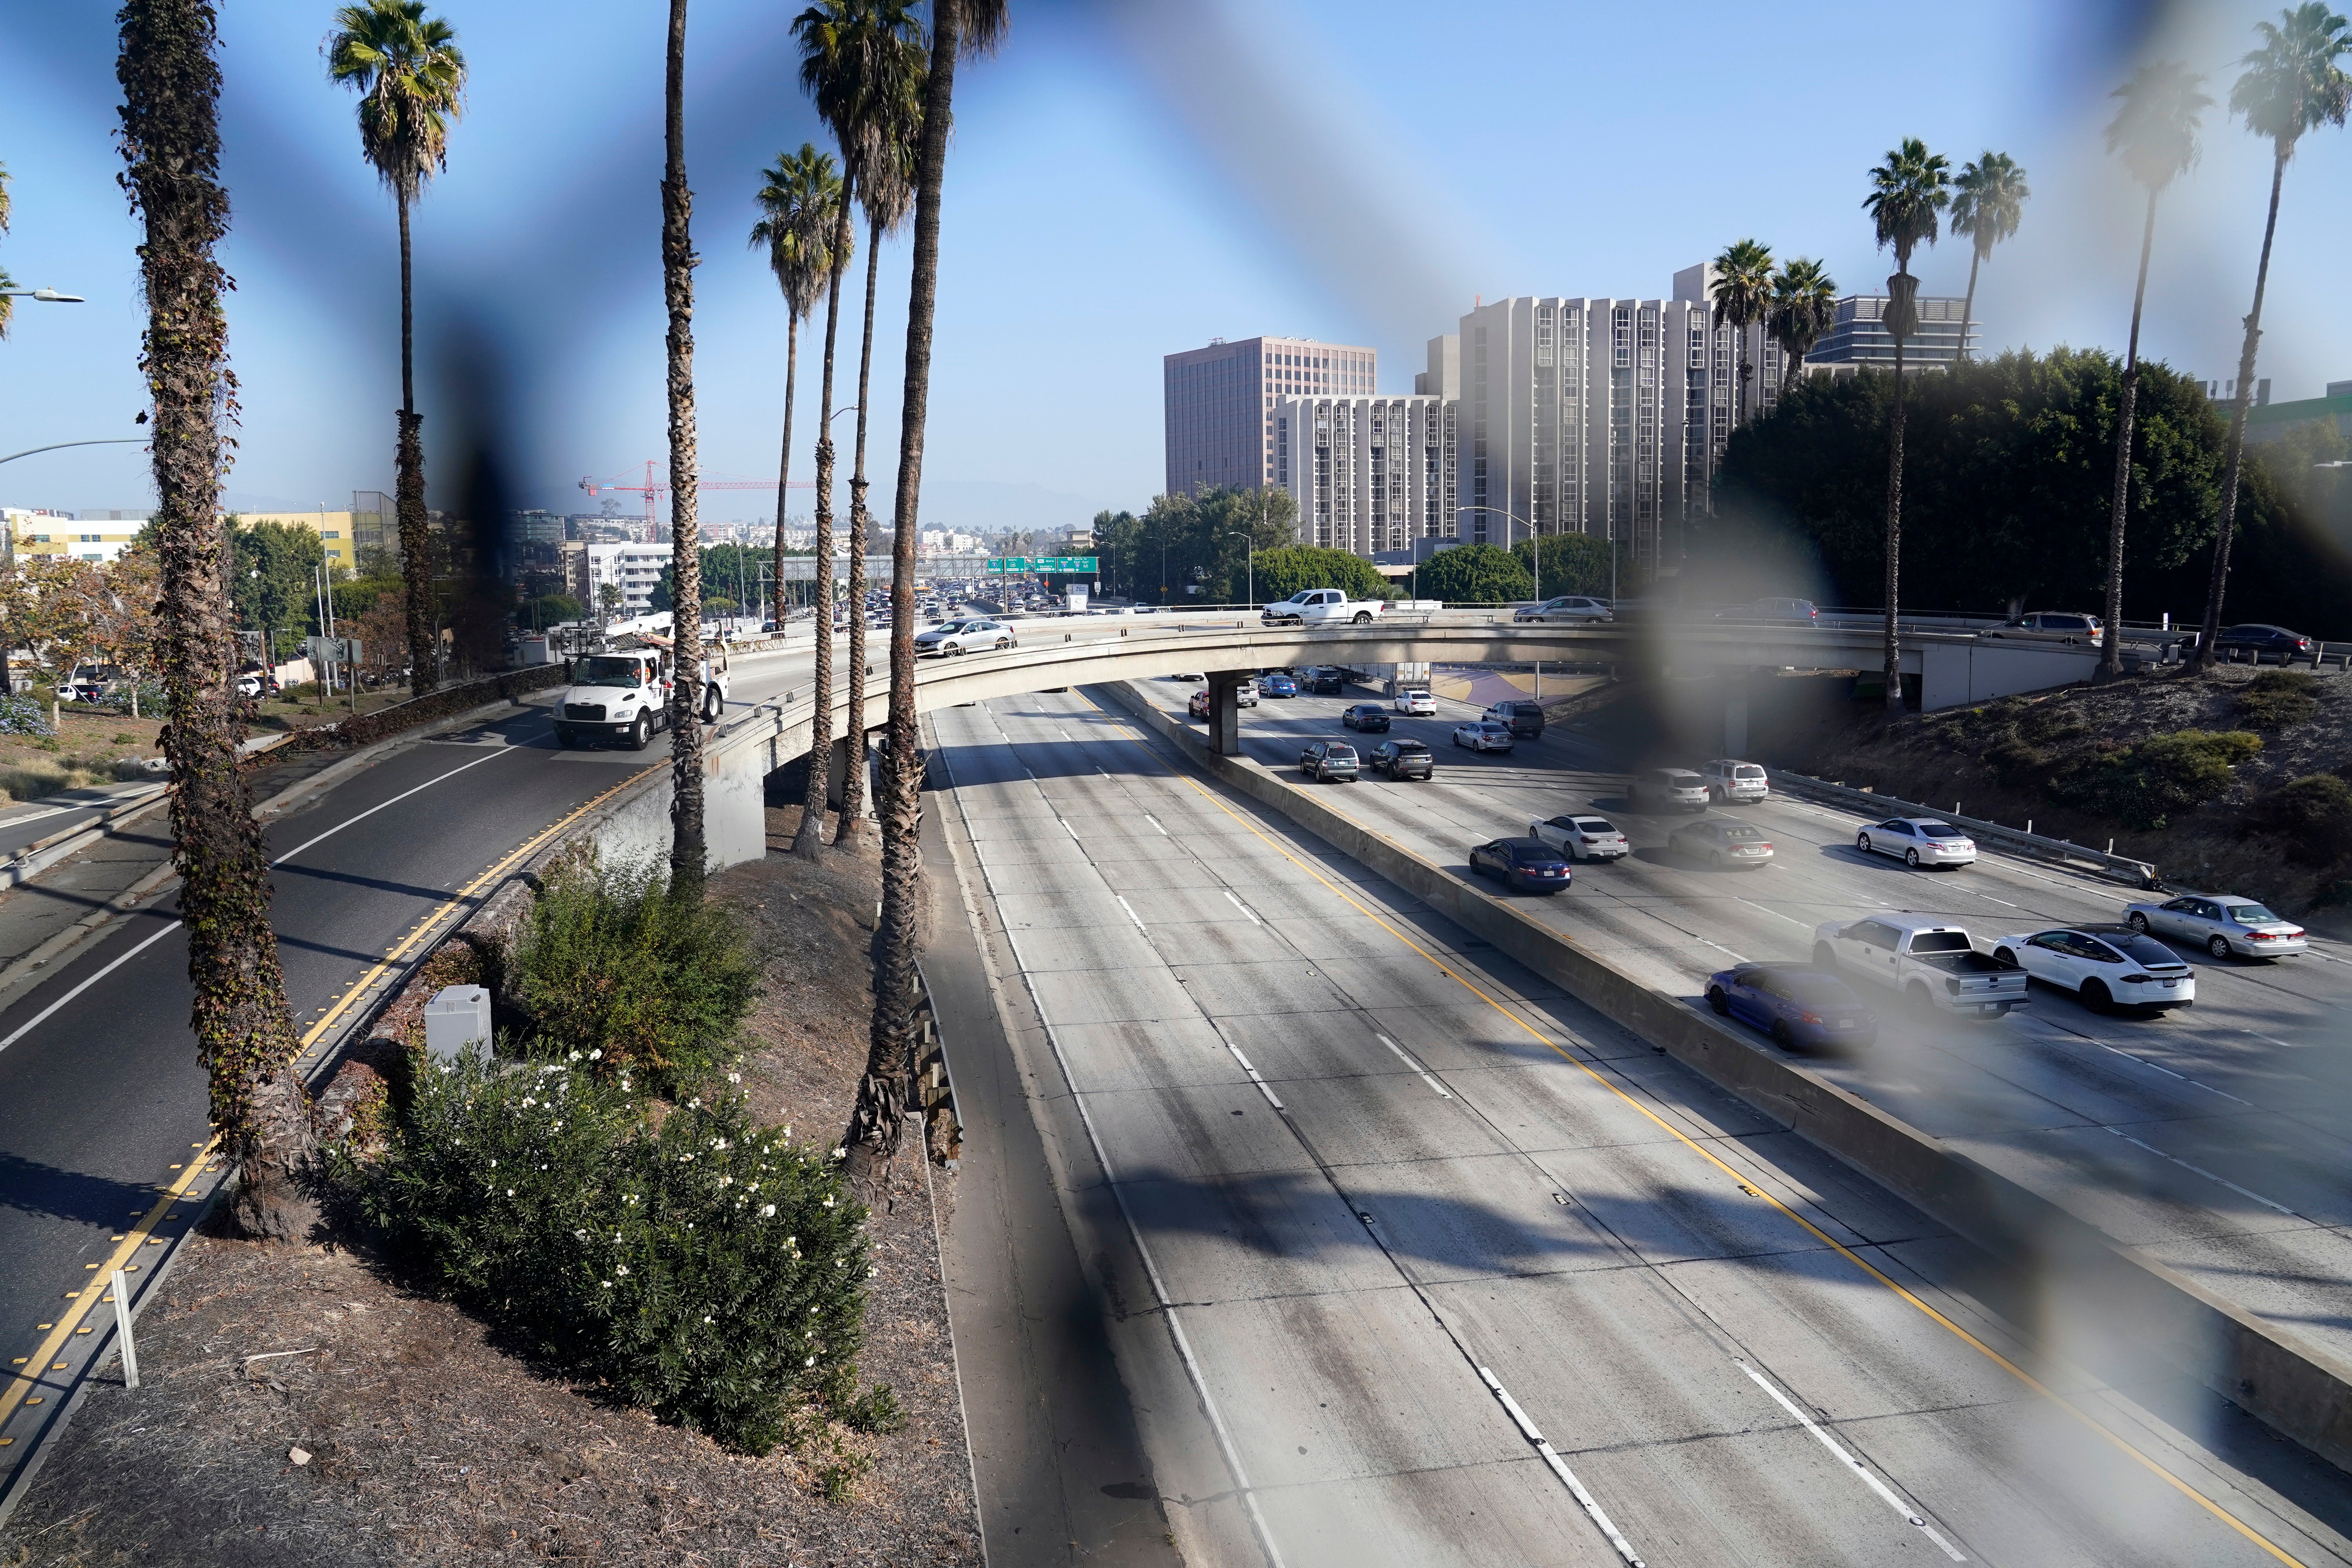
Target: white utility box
point(457, 1016)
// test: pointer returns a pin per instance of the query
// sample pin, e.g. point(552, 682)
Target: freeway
point(2211, 1138)
point(1376, 1208)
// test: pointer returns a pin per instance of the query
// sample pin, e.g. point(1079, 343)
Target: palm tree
point(1988, 200)
point(2292, 84)
point(1742, 290)
point(829, 35)
point(797, 198)
point(244, 1037)
point(411, 79)
point(960, 29)
point(887, 55)
point(1908, 193)
point(2156, 132)
point(7, 305)
point(1804, 307)
point(688, 861)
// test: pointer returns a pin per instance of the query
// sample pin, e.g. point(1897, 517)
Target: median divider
point(2079, 1274)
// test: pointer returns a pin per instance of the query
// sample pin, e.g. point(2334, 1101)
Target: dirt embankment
point(427, 1442)
point(2195, 773)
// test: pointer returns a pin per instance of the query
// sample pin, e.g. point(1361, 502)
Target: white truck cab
point(1319, 605)
point(1930, 959)
point(619, 697)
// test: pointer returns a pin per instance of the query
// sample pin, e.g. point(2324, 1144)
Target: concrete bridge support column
point(836, 771)
point(1225, 711)
point(1735, 712)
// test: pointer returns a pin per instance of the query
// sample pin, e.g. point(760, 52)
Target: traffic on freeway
point(1381, 1209)
point(2208, 1136)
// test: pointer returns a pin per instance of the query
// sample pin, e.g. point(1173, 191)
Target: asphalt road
point(1348, 1173)
point(2211, 1137)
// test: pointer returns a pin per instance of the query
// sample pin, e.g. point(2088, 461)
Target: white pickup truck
point(1926, 958)
point(1319, 605)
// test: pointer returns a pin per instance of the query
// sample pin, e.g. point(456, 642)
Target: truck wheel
point(1916, 994)
point(1824, 956)
point(713, 706)
point(1364, 617)
point(642, 735)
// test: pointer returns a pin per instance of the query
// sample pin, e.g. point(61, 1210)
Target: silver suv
point(1677, 789)
point(1729, 779)
point(2052, 625)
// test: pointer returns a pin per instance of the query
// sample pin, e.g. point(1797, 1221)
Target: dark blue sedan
point(1524, 865)
point(1795, 1005)
point(1277, 686)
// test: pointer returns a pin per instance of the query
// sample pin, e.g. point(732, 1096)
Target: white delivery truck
point(1319, 606)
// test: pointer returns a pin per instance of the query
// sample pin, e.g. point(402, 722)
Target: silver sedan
point(2220, 923)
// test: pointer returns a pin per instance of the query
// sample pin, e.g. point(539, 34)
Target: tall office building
point(1859, 336)
point(1370, 475)
point(1219, 402)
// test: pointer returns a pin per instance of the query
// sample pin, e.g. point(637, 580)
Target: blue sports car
point(1277, 686)
point(1794, 1004)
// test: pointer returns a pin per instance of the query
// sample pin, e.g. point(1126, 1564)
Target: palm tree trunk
point(809, 842)
point(784, 463)
point(1895, 541)
point(1969, 305)
point(2237, 426)
point(878, 1116)
point(852, 825)
point(2111, 655)
point(408, 504)
point(244, 1037)
point(688, 858)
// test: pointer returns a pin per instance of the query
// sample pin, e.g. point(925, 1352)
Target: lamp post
point(1533, 537)
point(1249, 542)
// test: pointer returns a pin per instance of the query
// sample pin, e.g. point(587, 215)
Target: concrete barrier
point(2138, 873)
point(2080, 1274)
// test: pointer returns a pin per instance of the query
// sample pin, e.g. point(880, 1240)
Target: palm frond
point(1989, 200)
point(1907, 196)
point(2156, 130)
point(411, 78)
point(2292, 83)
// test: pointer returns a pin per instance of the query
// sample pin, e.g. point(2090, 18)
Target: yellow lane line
point(393, 955)
point(2027, 1378)
point(21, 1384)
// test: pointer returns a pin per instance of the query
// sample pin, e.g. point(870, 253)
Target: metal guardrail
point(2141, 873)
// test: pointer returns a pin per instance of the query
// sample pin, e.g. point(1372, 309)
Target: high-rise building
point(1219, 402)
point(1859, 336)
point(1590, 415)
point(1372, 475)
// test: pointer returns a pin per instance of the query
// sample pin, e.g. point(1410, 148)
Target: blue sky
point(1129, 178)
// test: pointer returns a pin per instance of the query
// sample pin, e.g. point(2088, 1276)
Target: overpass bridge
point(1954, 668)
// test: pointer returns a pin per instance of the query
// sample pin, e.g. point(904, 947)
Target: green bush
point(2276, 698)
point(1474, 574)
point(2142, 785)
point(2312, 814)
point(708, 1270)
point(1287, 569)
point(611, 967)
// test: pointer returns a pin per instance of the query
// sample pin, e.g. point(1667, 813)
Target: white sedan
point(2106, 966)
point(1918, 842)
point(1420, 703)
point(1484, 735)
point(1582, 838)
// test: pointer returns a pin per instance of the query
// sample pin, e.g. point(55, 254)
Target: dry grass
point(432, 1444)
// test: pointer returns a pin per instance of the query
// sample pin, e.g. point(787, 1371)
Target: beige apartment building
point(1370, 475)
point(1219, 402)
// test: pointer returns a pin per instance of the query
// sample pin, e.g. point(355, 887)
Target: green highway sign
point(1058, 565)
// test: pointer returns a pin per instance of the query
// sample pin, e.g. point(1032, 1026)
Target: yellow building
point(338, 532)
point(100, 539)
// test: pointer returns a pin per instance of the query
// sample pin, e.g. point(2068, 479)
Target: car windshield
point(606, 671)
point(2147, 950)
point(1495, 729)
point(1740, 832)
point(1594, 824)
point(1340, 754)
point(1409, 748)
point(1941, 941)
point(948, 626)
point(1537, 855)
point(1747, 771)
point(2250, 914)
point(1939, 830)
point(1817, 989)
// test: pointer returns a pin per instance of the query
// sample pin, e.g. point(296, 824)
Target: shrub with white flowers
point(707, 1269)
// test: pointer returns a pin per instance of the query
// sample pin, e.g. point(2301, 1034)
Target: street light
point(55, 446)
point(1249, 540)
point(46, 295)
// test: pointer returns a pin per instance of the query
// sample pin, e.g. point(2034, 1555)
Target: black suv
point(1526, 719)
point(1325, 682)
point(1401, 759)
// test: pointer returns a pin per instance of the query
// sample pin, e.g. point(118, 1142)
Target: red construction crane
point(652, 490)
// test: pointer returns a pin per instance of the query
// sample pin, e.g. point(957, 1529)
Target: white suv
point(1729, 779)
